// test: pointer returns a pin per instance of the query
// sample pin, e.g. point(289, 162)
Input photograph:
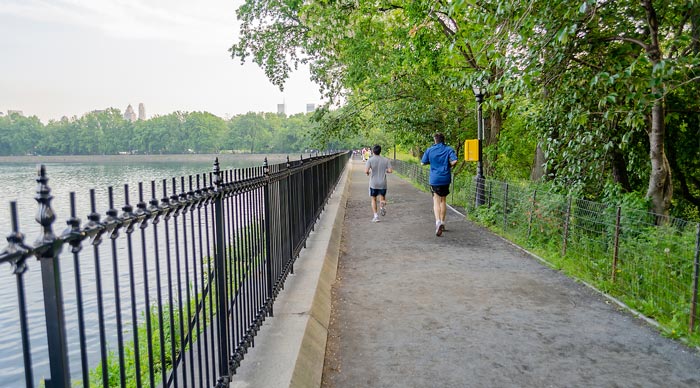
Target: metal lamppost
point(479, 92)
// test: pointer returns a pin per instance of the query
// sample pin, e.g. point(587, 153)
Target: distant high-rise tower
point(310, 108)
point(142, 112)
point(129, 114)
point(280, 108)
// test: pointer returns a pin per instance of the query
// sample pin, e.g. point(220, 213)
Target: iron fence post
point(47, 254)
point(288, 196)
point(696, 268)
point(19, 267)
point(221, 310)
point(268, 237)
point(304, 199)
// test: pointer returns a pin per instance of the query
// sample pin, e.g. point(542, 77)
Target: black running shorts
point(441, 190)
point(376, 192)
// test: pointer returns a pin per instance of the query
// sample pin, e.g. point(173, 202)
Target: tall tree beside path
point(636, 54)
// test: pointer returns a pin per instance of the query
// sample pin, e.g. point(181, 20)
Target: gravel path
point(469, 310)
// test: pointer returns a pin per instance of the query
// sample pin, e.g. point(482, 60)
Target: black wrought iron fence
point(649, 261)
point(172, 289)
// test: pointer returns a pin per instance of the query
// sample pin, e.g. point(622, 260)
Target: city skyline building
point(129, 114)
point(142, 111)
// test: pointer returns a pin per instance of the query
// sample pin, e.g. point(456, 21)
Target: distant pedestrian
point(441, 159)
point(376, 168)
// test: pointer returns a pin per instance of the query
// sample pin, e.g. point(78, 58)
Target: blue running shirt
point(439, 156)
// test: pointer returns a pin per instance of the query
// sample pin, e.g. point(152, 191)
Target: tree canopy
point(576, 91)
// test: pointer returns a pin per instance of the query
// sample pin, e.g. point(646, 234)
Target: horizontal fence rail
point(167, 290)
point(649, 261)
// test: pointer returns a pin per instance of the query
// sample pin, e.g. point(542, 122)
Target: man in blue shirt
point(441, 159)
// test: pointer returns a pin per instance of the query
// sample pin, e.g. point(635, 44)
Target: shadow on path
point(469, 310)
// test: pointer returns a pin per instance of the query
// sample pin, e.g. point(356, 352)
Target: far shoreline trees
point(108, 133)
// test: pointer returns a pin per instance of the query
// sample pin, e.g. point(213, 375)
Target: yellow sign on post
point(471, 150)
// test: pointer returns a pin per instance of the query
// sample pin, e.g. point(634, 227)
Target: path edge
point(308, 369)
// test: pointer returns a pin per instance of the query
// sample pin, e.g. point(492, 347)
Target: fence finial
point(44, 215)
point(15, 244)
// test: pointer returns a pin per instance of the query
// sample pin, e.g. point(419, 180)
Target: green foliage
point(513, 155)
point(18, 134)
point(247, 243)
point(485, 216)
point(155, 341)
point(582, 81)
point(108, 133)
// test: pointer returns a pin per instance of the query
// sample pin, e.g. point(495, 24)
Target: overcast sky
point(68, 57)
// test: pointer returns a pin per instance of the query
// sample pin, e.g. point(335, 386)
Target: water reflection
point(79, 177)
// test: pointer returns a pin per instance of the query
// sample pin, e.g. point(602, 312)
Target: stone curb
point(291, 346)
point(308, 370)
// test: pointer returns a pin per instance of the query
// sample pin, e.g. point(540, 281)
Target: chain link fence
point(648, 261)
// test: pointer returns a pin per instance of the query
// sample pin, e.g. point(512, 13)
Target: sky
point(69, 57)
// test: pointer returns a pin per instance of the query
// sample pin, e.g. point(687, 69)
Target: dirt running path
point(469, 310)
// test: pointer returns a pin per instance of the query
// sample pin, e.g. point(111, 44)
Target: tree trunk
point(495, 126)
point(660, 190)
point(494, 129)
point(416, 151)
point(619, 170)
point(537, 171)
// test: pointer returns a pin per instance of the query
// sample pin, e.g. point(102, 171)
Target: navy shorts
point(441, 190)
point(376, 192)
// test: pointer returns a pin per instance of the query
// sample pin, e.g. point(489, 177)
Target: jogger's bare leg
point(443, 208)
point(436, 207)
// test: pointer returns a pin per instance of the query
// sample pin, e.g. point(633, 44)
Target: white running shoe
point(382, 209)
point(375, 219)
point(439, 227)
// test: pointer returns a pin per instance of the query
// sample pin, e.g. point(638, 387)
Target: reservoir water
point(79, 175)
